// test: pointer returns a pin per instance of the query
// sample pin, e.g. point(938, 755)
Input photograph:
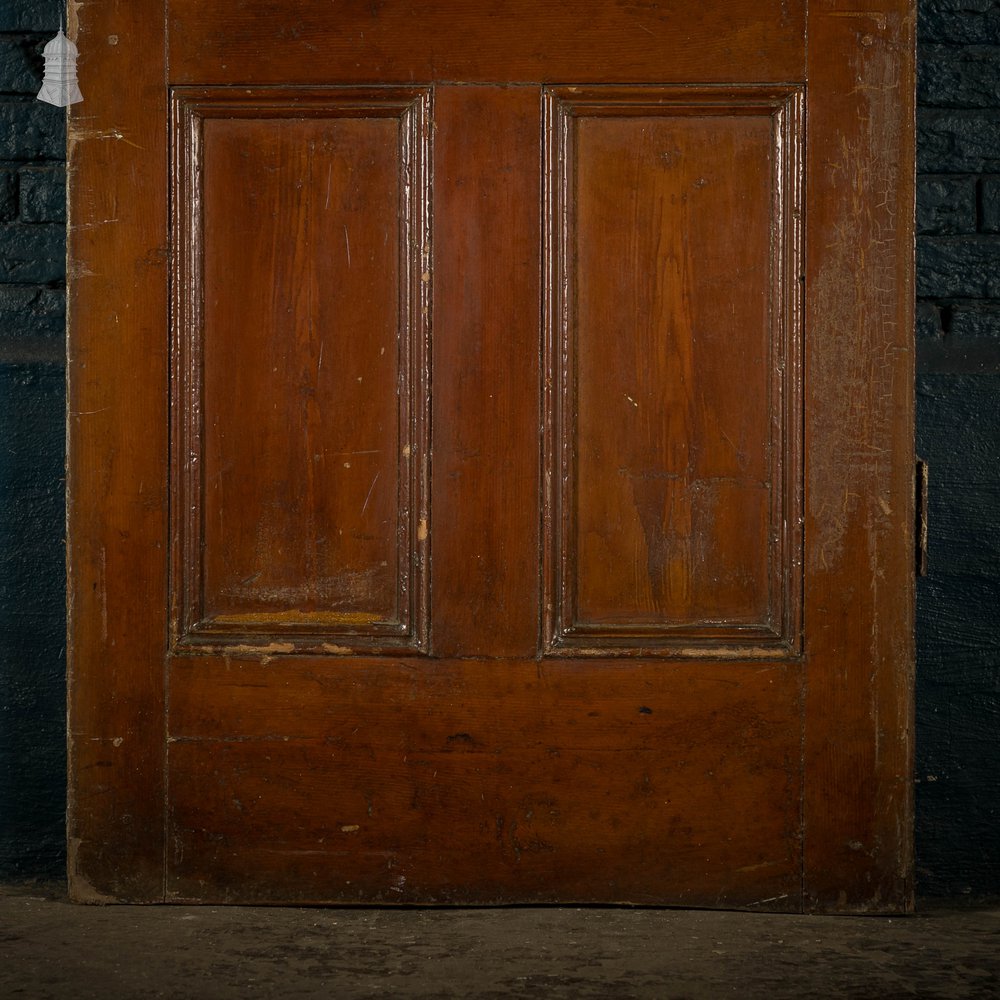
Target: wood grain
point(301, 521)
point(486, 372)
point(481, 41)
point(117, 459)
point(859, 442)
point(674, 239)
point(267, 764)
point(374, 780)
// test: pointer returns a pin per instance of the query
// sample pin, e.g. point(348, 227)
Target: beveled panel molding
point(300, 405)
point(672, 453)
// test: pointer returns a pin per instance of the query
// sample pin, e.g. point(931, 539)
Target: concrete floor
point(50, 948)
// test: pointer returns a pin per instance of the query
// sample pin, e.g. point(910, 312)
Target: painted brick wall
point(958, 432)
point(958, 416)
point(32, 579)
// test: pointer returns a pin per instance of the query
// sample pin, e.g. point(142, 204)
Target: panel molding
point(564, 631)
point(192, 630)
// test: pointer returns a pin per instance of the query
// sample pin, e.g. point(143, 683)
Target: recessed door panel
point(674, 491)
point(299, 396)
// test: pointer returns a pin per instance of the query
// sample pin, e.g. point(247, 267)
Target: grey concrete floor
point(51, 948)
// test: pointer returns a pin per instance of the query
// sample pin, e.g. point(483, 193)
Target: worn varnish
point(482, 41)
point(300, 522)
point(674, 502)
point(510, 782)
point(858, 749)
point(486, 371)
point(510, 501)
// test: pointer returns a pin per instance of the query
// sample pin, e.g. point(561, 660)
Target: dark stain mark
point(643, 710)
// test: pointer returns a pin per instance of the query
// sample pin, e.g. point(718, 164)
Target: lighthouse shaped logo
point(59, 86)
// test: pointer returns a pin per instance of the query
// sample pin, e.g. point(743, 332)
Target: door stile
point(858, 807)
point(117, 370)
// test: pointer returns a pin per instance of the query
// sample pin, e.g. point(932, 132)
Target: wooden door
point(491, 451)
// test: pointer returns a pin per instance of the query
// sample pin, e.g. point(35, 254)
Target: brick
point(43, 193)
point(32, 619)
point(21, 63)
point(958, 267)
point(958, 431)
point(975, 323)
point(8, 195)
point(31, 130)
point(33, 254)
point(958, 142)
point(31, 503)
point(30, 15)
point(928, 321)
point(990, 221)
point(27, 312)
point(959, 22)
point(965, 76)
point(946, 205)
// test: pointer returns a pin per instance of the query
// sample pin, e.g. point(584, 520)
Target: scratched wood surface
point(858, 804)
point(118, 366)
point(674, 500)
point(299, 522)
point(484, 781)
point(512, 503)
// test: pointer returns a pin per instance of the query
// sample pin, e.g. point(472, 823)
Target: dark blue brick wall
point(32, 380)
point(958, 433)
point(958, 416)
point(32, 660)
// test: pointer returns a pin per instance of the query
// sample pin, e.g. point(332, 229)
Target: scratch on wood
point(91, 225)
point(876, 16)
point(849, 290)
point(770, 899)
point(78, 135)
point(349, 587)
point(370, 488)
point(272, 647)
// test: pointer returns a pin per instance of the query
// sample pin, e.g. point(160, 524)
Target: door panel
point(300, 507)
point(675, 501)
point(450, 783)
point(489, 481)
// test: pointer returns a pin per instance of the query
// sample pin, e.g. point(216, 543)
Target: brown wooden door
point(490, 452)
